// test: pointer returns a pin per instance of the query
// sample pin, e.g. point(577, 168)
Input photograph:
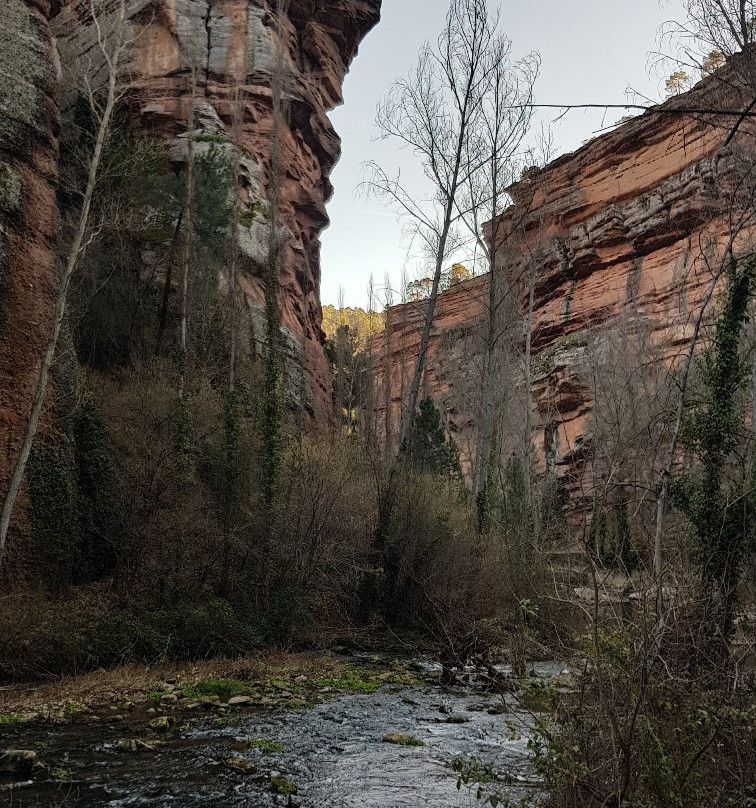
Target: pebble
point(160, 724)
point(238, 701)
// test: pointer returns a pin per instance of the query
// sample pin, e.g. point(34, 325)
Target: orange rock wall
point(626, 229)
point(28, 212)
point(235, 46)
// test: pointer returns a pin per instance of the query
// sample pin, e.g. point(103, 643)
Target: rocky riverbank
point(269, 730)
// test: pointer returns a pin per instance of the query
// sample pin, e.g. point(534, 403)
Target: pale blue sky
point(592, 51)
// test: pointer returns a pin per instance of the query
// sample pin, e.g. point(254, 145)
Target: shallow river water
point(334, 753)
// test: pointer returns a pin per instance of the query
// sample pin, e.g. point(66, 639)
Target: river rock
point(284, 689)
point(240, 764)
point(149, 746)
point(239, 701)
point(126, 745)
point(160, 724)
point(18, 761)
point(402, 739)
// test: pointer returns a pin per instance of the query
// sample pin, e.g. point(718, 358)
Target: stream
point(334, 754)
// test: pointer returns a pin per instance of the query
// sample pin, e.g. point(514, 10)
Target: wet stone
point(126, 745)
point(240, 701)
point(240, 764)
point(18, 761)
point(161, 724)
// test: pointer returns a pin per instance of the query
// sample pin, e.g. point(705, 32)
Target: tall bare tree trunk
point(661, 499)
point(490, 162)
point(188, 239)
point(163, 315)
point(487, 405)
point(387, 383)
point(526, 449)
point(78, 246)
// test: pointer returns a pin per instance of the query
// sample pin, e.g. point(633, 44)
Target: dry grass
point(118, 684)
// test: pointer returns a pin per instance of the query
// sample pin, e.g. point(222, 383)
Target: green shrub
point(644, 736)
point(281, 785)
point(266, 746)
point(201, 631)
point(52, 509)
point(288, 620)
point(98, 509)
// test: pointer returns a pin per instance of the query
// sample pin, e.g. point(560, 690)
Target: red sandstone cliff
point(235, 45)
point(623, 235)
point(28, 213)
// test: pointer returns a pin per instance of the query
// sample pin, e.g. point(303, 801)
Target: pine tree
point(428, 447)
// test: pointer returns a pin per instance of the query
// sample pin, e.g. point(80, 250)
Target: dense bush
point(90, 629)
point(643, 731)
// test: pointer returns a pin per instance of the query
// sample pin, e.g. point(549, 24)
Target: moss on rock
point(24, 61)
point(11, 188)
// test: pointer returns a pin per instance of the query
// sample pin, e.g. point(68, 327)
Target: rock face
point(28, 212)
point(622, 236)
point(234, 48)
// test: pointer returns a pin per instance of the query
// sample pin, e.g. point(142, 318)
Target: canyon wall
point(233, 48)
point(29, 78)
point(621, 239)
point(49, 53)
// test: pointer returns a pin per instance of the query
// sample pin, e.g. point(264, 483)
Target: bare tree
point(188, 238)
point(433, 113)
point(713, 31)
point(727, 26)
point(110, 30)
point(493, 159)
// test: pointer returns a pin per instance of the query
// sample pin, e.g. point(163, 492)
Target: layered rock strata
point(623, 237)
point(233, 48)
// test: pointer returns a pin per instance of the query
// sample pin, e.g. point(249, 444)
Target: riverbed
point(331, 755)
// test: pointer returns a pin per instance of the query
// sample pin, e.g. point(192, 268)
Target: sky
point(592, 51)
